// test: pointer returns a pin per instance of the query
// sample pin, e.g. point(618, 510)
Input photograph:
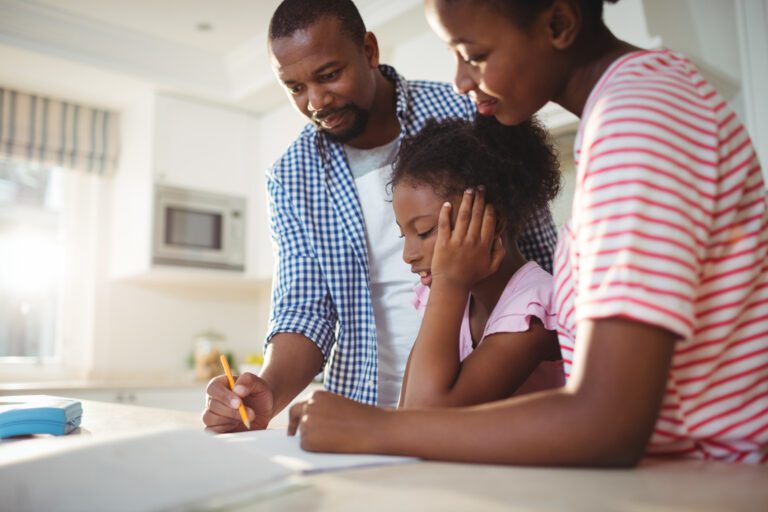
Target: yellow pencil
point(231, 380)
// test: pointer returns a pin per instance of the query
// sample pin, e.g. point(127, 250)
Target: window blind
point(51, 131)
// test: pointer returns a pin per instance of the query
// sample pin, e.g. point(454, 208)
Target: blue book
point(38, 414)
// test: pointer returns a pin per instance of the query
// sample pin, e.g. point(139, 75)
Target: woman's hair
point(516, 164)
point(523, 12)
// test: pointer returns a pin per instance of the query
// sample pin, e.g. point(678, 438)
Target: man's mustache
point(317, 117)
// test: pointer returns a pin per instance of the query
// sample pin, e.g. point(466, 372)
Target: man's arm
point(292, 361)
point(300, 334)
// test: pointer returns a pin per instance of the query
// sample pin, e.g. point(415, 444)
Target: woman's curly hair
point(516, 164)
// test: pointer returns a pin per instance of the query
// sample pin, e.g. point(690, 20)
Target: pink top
point(527, 294)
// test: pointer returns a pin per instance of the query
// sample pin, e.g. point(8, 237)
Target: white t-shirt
point(392, 282)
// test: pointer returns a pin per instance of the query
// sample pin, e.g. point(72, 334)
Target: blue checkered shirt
point(321, 283)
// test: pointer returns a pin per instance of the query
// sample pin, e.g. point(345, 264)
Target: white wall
point(116, 328)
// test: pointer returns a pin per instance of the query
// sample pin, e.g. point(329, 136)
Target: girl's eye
point(425, 234)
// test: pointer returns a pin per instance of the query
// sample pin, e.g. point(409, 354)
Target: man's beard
point(358, 125)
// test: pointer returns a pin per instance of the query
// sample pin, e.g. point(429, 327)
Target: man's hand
point(328, 422)
point(221, 413)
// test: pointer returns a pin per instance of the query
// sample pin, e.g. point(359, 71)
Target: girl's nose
point(410, 254)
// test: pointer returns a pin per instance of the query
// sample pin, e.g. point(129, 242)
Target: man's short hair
point(293, 15)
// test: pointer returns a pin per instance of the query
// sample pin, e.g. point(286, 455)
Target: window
point(32, 260)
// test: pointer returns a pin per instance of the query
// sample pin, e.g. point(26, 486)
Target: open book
point(38, 414)
point(281, 449)
point(173, 469)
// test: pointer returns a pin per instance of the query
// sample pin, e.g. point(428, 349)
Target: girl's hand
point(471, 251)
point(328, 422)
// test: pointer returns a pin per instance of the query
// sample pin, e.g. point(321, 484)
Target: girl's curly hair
point(516, 164)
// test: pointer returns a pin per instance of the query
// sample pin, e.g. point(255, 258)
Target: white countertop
point(182, 381)
point(655, 486)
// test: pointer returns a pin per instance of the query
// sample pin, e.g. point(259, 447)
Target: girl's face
point(509, 72)
point(417, 209)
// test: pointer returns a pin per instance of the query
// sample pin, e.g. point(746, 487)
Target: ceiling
point(232, 22)
point(159, 41)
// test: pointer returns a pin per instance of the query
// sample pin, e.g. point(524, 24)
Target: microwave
point(193, 228)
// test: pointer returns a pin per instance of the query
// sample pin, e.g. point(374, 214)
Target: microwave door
point(198, 229)
point(193, 230)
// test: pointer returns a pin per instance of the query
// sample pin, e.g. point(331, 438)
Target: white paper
point(279, 448)
point(171, 469)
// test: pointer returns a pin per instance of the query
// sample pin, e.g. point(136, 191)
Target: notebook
point(278, 447)
point(38, 414)
point(164, 470)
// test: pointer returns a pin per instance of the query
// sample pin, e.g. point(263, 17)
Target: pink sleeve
point(513, 313)
point(420, 298)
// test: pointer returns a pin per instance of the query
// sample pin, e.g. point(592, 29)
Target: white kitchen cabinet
point(189, 144)
point(204, 147)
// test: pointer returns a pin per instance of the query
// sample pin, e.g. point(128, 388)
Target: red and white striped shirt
point(670, 228)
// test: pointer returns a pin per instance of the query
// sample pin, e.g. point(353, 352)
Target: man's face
point(329, 77)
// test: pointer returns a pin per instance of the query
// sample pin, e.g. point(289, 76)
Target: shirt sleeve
point(301, 302)
point(539, 238)
point(643, 209)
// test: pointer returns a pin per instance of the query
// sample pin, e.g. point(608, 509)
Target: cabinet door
point(204, 147)
point(190, 400)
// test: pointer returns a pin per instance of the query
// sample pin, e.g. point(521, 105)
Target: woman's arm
point(603, 417)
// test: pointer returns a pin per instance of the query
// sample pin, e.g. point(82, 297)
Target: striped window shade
point(55, 132)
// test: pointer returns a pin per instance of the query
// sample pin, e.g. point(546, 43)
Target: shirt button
point(370, 383)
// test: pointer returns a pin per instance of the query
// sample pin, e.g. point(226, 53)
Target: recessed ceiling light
point(204, 26)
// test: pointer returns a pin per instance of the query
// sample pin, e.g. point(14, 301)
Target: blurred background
point(134, 136)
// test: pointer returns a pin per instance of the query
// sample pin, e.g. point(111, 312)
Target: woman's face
point(417, 209)
point(509, 72)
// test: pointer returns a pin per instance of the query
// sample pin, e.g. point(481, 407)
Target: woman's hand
point(328, 422)
point(471, 251)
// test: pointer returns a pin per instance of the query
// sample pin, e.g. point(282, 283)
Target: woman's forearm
point(548, 428)
point(603, 417)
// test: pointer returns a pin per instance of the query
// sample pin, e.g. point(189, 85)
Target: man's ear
point(371, 49)
point(564, 23)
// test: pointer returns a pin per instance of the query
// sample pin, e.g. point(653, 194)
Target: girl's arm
point(603, 417)
point(493, 371)
point(461, 258)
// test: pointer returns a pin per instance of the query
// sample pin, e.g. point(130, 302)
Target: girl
point(502, 340)
point(661, 278)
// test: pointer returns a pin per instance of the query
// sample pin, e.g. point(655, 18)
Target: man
point(342, 294)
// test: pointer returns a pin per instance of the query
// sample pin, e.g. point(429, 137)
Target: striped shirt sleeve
point(645, 203)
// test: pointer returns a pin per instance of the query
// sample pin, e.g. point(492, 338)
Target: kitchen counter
point(655, 486)
point(184, 381)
